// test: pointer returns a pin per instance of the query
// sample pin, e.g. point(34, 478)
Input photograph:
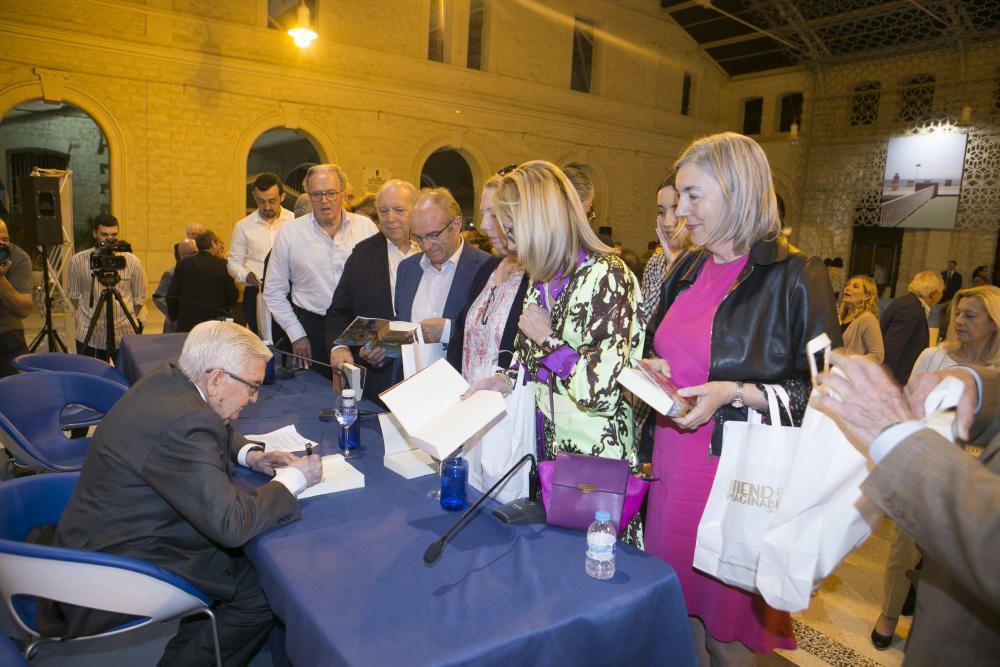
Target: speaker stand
point(48, 332)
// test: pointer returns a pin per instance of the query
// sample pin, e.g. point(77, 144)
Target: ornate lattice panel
point(854, 109)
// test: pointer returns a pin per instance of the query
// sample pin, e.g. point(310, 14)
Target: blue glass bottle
point(454, 483)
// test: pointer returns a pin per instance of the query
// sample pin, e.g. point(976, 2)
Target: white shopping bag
point(823, 515)
point(503, 444)
point(748, 488)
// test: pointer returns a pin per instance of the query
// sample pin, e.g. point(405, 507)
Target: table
point(140, 355)
point(349, 582)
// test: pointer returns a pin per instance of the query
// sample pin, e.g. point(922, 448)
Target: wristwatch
point(738, 399)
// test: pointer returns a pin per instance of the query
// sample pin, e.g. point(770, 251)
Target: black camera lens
point(4, 254)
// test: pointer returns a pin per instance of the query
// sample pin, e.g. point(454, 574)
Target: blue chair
point(30, 409)
point(61, 361)
point(84, 578)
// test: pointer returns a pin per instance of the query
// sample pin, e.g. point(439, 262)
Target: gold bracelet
point(507, 382)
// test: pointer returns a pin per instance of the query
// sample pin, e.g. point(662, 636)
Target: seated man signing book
point(368, 284)
point(156, 486)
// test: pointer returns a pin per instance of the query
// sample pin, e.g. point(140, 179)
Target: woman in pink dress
point(736, 311)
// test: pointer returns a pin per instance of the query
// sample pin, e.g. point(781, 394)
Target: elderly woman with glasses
point(736, 312)
point(579, 326)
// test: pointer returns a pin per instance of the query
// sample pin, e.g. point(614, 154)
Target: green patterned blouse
point(596, 314)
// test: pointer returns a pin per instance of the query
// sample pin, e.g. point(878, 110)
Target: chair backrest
point(30, 408)
point(86, 578)
point(61, 361)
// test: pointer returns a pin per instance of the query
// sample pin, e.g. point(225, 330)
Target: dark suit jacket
point(155, 486)
point(457, 346)
point(950, 286)
point(905, 334)
point(201, 290)
point(363, 291)
point(947, 501)
point(408, 279)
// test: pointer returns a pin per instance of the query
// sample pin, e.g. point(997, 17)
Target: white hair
point(224, 345)
point(325, 169)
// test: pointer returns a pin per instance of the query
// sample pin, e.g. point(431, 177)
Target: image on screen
point(923, 180)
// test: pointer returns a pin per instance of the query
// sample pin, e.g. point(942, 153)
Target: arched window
point(287, 153)
point(446, 168)
point(56, 136)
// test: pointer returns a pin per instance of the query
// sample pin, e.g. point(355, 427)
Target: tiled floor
point(833, 631)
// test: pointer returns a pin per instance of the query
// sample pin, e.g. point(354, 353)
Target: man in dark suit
point(945, 498)
point(952, 281)
point(367, 286)
point(905, 332)
point(201, 289)
point(432, 286)
point(155, 486)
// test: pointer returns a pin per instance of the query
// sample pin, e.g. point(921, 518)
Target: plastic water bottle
point(601, 537)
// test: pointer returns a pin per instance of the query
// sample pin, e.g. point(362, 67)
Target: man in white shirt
point(432, 287)
point(253, 237)
point(85, 290)
point(307, 260)
point(368, 284)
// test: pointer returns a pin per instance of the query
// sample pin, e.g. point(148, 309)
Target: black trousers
point(315, 326)
point(250, 307)
point(11, 345)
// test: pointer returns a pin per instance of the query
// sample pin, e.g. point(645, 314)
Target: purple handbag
point(574, 486)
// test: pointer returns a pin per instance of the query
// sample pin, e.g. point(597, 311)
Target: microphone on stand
point(523, 511)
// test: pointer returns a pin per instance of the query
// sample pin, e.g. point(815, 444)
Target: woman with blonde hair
point(579, 326)
point(973, 339)
point(859, 319)
point(736, 312)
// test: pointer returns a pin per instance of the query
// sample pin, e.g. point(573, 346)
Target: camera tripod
point(106, 301)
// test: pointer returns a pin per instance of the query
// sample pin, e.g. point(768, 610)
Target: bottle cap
point(601, 515)
point(347, 393)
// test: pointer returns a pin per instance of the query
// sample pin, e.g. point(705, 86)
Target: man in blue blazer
point(433, 285)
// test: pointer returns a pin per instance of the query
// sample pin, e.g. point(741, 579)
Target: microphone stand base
point(521, 512)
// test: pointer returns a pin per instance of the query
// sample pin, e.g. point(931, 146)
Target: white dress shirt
point(304, 256)
point(251, 241)
point(395, 257)
point(432, 292)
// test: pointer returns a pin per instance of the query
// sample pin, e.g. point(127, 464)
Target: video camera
point(105, 264)
point(4, 253)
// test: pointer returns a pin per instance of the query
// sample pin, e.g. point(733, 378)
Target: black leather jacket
point(780, 301)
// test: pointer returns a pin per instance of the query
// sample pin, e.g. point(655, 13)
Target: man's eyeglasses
point(254, 386)
point(432, 236)
point(329, 194)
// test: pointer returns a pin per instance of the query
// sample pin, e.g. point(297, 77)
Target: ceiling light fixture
point(302, 33)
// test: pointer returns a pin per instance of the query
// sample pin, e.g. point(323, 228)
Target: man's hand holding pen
point(267, 462)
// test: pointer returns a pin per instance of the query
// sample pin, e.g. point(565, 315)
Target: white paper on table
point(285, 439)
point(402, 456)
point(338, 475)
point(430, 409)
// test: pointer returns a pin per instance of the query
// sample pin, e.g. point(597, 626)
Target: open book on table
point(338, 475)
point(429, 407)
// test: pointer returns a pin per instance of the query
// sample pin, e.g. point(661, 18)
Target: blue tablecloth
point(140, 355)
point(350, 584)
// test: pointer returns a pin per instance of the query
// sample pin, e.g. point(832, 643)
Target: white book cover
point(338, 475)
point(401, 456)
point(636, 381)
point(429, 407)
